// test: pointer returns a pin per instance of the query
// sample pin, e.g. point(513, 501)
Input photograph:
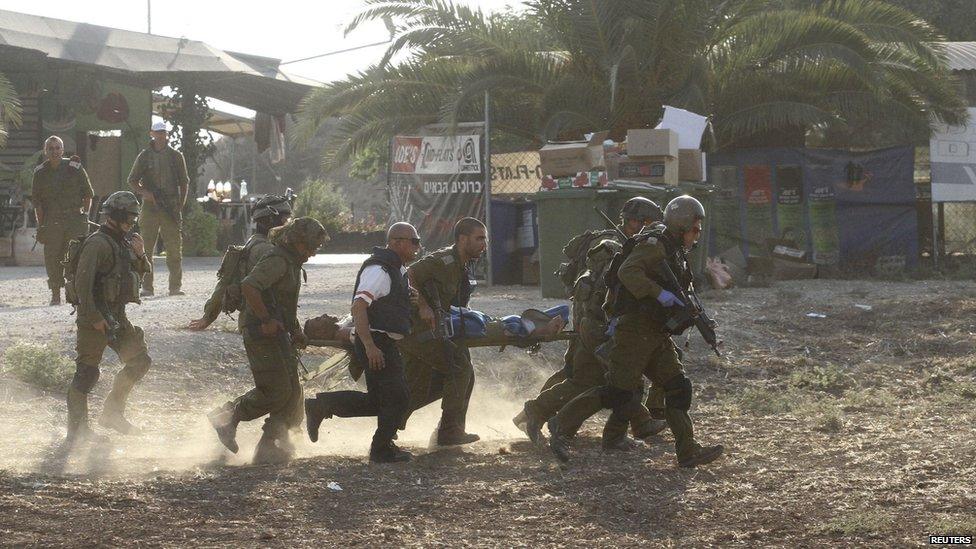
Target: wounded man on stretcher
point(479, 329)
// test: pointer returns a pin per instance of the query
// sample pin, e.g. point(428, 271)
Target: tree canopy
point(766, 71)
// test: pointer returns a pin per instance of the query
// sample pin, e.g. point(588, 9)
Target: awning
point(225, 123)
point(250, 81)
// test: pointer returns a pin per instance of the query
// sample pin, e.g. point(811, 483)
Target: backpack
point(70, 264)
point(617, 304)
point(576, 250)
point(229, 277)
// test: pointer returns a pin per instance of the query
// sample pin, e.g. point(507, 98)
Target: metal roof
point(961, 55)
point(247, 80)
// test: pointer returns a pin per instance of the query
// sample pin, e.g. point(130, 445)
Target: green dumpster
point(565, 213)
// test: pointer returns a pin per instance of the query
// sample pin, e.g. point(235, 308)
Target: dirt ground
point(852, 429)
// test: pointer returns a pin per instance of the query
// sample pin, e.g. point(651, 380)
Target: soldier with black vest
point(643, 301)
point(381, 311)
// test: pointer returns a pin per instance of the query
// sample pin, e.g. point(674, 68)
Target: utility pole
point(149, 16)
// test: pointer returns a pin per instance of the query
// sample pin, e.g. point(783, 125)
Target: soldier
point(110, 266)
point(429, 375)
point(583, 367)
point(269, 212)
point(62, 197)
point(159, 178)
point(641, 346)
point(269, 324)
point(381, 311)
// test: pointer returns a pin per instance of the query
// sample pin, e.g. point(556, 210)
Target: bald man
point(381, 309)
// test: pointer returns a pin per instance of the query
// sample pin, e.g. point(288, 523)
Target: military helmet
point(306, 230)
point(599, 255)
point(271, 205)
point(120, 201)
point(641, 208)
point(682, 213)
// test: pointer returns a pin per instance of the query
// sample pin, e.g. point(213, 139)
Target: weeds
point(38, 365)
point(828, 378)
point(859, 523)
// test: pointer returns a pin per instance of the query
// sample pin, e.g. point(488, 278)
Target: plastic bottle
point(243, 189)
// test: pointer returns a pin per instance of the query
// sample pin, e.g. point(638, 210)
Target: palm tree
point(10, 112)
point(766, 71)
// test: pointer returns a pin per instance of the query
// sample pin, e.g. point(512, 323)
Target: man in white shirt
point(381, 311)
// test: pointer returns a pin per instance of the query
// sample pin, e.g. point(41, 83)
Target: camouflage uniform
point(641, 347)
point(255, 248)
point(164, 170)
point(590, 321)
point(428, 375)
point(60, 193)
point(107, 277)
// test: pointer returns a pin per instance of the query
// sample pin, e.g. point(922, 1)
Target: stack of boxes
point(568, 164)
point(648, 155)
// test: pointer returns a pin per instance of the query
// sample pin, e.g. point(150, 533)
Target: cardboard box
point(561, 159)
point(661, 170)
point(652, 142)
point(691, 165)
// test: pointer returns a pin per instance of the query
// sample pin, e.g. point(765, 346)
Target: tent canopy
point(151, 61)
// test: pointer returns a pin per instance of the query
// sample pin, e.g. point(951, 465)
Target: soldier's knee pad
point(85, 378)
point(613, 397)
point(677, 393)
point(138, 366)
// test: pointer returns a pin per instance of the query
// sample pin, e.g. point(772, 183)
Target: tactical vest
point(118, 286)
point(621, 301)
point(390, 313)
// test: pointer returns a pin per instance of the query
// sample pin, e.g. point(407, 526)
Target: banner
point(435, 181)
point(437, 155)
point(853, 209)
point(952, 153)
point(515, 173)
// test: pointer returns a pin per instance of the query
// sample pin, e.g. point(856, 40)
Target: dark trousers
point(386, 398)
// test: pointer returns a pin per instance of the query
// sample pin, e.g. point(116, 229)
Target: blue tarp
point(844, 208)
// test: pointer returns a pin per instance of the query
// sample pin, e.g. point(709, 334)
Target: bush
point(829, 378)
point(325, 202)
point(199, 232)
point(38, 365)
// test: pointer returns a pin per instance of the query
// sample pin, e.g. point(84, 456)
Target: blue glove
point(668, 299)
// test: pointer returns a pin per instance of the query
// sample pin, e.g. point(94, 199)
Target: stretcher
point(333, 369)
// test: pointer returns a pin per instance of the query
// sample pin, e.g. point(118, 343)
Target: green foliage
point(189, 112)
point(766, 402)
point(199, 231)
point(762, 69)
point(867, 523)
point(38, 365)
point(367, 164)
point(10, 111)
point(828, 378)
point(325, 202)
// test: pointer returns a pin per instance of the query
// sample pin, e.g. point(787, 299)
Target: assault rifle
point(112, 333)
point(161, 201)
point(282, 337)
point(692, 312)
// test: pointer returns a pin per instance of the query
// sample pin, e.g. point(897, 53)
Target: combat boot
point(648, 429)
point(112, 417)
point(455, 437)
point(224, 420)
point(531, 425)
point(317, 409)
point(269, 452)
point(389, 453)
point(78, 429)
point(621, 444)
point(702, 455)
point(558, 442)
point(55, 297)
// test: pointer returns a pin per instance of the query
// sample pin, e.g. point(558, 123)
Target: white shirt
point(375, 283)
